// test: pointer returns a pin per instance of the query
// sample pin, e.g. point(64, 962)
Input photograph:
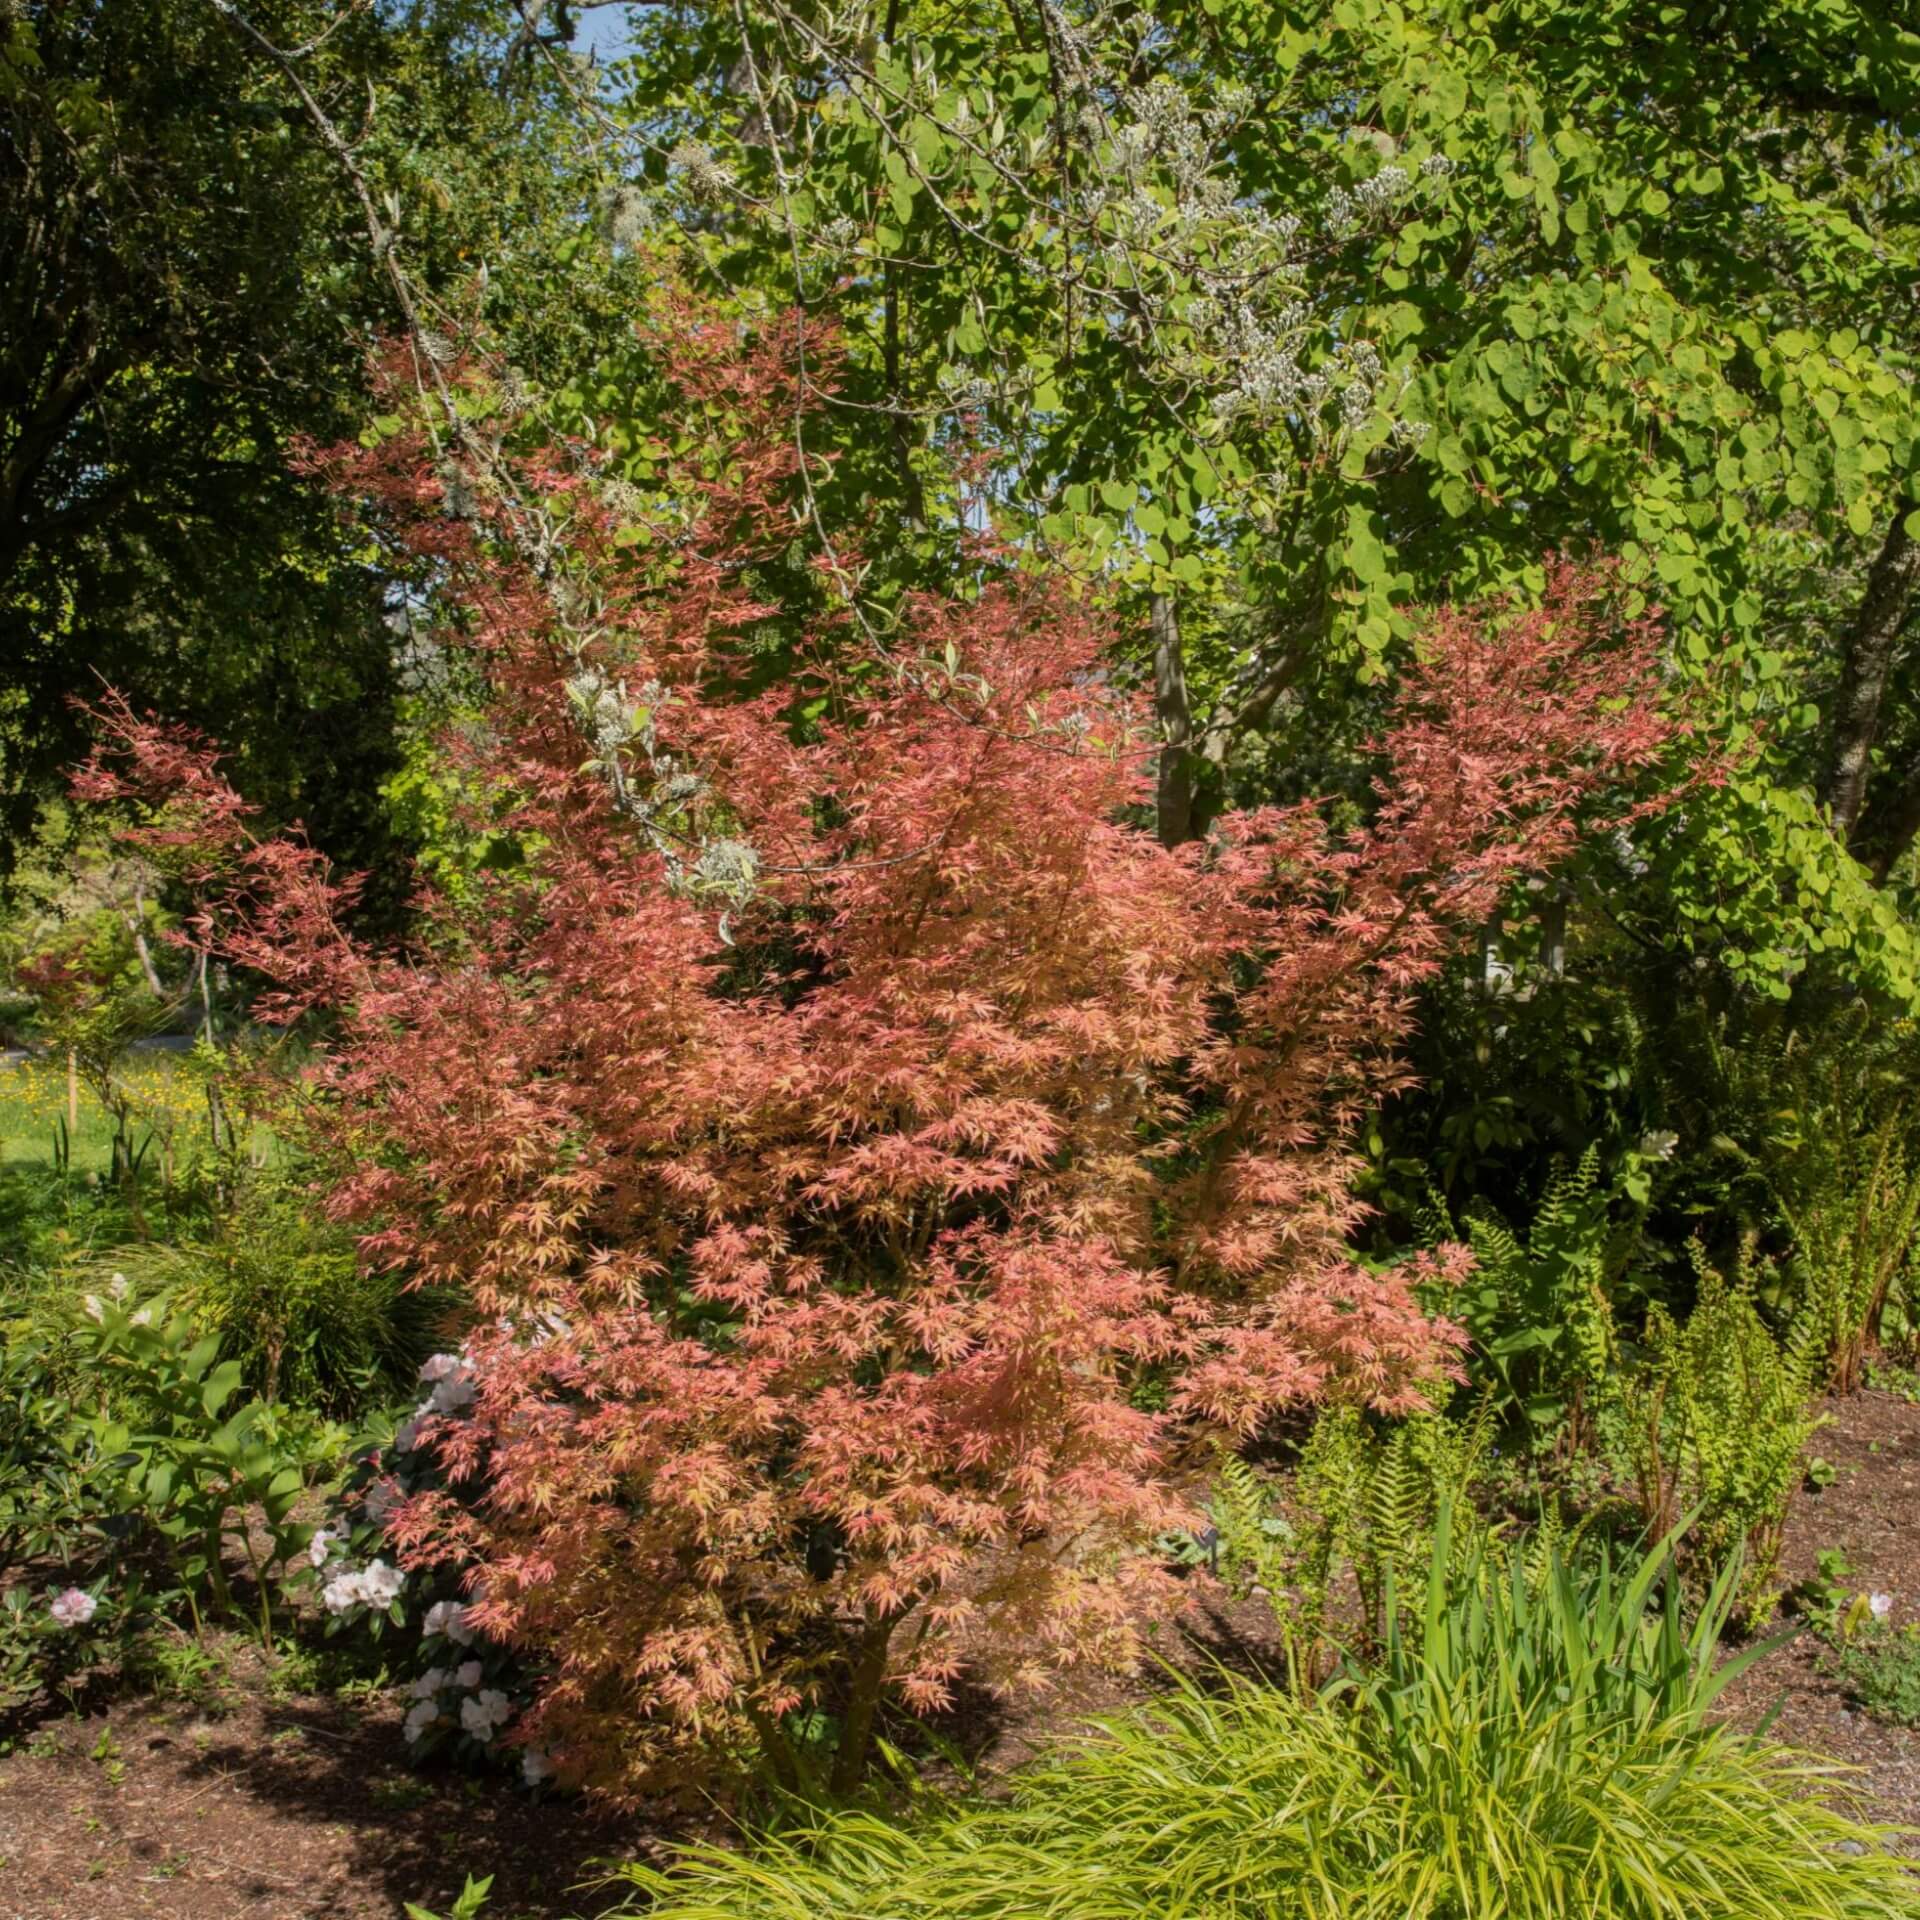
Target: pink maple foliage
point(847, 1106)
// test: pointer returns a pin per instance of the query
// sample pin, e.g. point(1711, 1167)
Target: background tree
point(1293, 319)
point(184, 302)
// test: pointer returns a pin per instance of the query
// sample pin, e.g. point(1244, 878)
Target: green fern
point(1821, 1124)
point(1254, 1537)
point(1715, 1422)
point(1539, 1310)
point(1853, 1231)
point(1370, 1498)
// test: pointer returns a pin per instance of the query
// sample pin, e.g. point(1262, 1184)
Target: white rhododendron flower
point(408, 1437)
point(319, 1547)
point(344, 1591)
point(380, 1500)
point(448, 1618)
point(429, 1683)
point(381, 1583)
point(1880, 1605)
point(467, 1674)
point(535, 1767)
point(420, 1718)
point(441, 1366)
point(453, 1394)
point(73, 1608)
point(485, 1713)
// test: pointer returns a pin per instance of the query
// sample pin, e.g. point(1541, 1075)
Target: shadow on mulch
point(984, 1734)
point(299, 1810)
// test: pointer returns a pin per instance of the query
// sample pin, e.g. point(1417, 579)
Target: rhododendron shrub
point(464, 1688)
point(863, 1102)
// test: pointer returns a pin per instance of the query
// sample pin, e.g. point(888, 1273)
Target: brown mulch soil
point(257, 1809)
point(1871, 1513)
point(244, 1807)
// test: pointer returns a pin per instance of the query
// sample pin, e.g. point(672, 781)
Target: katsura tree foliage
point(1297, 318)
point(841, 1107)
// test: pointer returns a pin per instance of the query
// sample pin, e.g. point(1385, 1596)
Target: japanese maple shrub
point(843, 1101)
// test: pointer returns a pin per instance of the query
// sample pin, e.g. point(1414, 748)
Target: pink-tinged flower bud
point(74, 1608)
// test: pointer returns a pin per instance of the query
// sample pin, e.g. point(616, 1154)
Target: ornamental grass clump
point(1533, 1747)
point(866, 1103)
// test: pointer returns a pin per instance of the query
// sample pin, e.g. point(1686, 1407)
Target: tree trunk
point(1174, 800)
point(1863, 675)
point(901, 427)
point(863, 1703)
point(137, 926)
point(1889, 825)
point(1553, 935)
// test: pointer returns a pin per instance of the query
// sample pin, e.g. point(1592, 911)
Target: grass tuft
point(1532, 1748)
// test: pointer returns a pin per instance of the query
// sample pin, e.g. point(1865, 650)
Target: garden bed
point(247, 1800)
point(1871, 1513)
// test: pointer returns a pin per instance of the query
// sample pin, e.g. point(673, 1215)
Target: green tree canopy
point(1289, 319)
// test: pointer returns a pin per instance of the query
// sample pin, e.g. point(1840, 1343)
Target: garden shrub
point(1541, 1309)
point(286, 1294)
point(175, 1450)
point(131, 1470)
point(52, 1526)
point(466, 1688)
point(871, 1102)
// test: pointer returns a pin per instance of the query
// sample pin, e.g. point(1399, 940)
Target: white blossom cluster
point(377, 1585)
point(839, 236)
point(1349, 207)
point(117, 1290)
point(1214, 286)
point(449, 1378)
point(460, 1690)
point(444, 1695)
point(73, 1608)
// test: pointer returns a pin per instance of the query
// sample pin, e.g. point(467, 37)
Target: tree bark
point(137, 927)
point(1863, 676)
point(900, 422)
point(1889, 825)
point(1174, 801)
point(863, 1703)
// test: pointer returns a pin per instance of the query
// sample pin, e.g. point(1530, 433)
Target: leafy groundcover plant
point(1534, 1746)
